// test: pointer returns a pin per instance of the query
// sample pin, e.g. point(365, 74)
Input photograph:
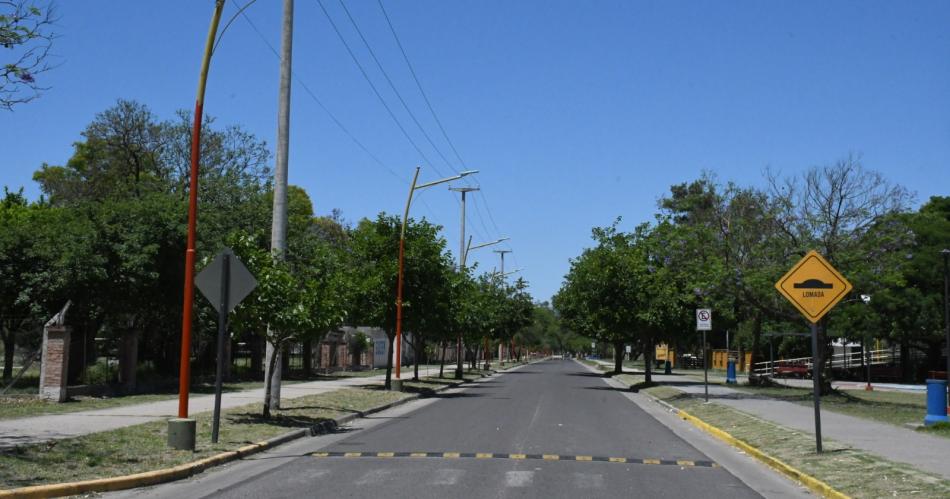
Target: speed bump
point(684, 463)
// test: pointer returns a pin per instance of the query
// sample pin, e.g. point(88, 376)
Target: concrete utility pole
point(502, 253)
point(278, 235)
point(462, 256)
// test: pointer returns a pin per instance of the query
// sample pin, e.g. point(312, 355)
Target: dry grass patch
point(851, 471)
point(143, 447)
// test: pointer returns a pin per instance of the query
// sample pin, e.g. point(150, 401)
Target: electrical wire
point(373, 86)
point(326, 110)
point(392, 86)
point(320, 103)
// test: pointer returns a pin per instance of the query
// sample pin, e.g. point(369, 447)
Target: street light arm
point(447, 179)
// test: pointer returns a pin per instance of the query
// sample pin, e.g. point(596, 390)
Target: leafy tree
point(602, 292)
point(26, 36)
point(374, 254)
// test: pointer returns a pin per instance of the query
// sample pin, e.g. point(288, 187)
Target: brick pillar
point(55, 363)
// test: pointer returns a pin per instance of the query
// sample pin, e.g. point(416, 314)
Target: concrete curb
point(812, 483)
point(188, 469)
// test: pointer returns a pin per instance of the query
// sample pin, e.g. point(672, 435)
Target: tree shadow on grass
point(282, 420)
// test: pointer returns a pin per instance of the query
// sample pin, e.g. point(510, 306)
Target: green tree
point(374, 254)
point(26, 36)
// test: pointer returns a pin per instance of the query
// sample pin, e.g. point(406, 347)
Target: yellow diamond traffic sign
point(813, 286)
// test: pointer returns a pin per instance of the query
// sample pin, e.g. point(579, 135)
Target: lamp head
point(467, 172)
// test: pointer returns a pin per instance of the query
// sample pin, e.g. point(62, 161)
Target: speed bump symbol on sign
point(813, 286)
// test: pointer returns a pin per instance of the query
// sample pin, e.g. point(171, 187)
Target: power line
point(320, 103)
point(435, 116)
point(373, 86)
point(330, 114)
point(415, 78)
point(392, 85)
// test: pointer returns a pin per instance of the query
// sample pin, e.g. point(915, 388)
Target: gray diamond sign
point(240, 282)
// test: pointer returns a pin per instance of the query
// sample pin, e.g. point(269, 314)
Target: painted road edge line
point(812, 483)
point(156, 477)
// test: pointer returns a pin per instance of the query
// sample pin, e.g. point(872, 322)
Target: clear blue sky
point(575, 112)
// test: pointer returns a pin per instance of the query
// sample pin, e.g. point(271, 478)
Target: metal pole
point(399, 279)
point(705, 368)
point(184, 374)
point(463, 256)
point(946, 308)
point(222, 333)
point(816, 383)
point(502, 253)
point(278, 238)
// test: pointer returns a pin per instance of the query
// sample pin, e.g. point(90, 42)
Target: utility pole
point(502, 253)
point(278, 235)
point(462, 256)
point(946, 307)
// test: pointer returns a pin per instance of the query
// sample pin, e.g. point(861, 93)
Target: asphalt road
point(557, 408)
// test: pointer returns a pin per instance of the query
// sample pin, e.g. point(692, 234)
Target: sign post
point(704, 323)
point(225, 282)
point(814, 287)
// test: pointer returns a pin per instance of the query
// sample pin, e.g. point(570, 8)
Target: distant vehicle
point(798, 370)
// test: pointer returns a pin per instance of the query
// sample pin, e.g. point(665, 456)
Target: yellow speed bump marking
point(516, 456)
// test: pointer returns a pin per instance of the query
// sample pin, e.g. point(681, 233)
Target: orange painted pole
point(184, 375)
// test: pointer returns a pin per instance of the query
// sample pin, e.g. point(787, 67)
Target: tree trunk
point(756, 339)
point(906, 365)
point(271, 366)
point(9, 343)
point(442, 361)
point(418, 347)
point(307, 350)
point(389, 360)
point(648, 357)
point(618, 357)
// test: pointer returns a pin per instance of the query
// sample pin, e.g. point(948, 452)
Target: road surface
point(551, 429)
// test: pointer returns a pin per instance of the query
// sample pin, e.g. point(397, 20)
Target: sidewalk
point(39, 429)
point(926, 452)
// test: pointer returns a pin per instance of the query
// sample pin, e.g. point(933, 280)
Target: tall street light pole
point(184, 375)
point(946, 309)
point(462, 255)
point(469, 247)
point(397, 382)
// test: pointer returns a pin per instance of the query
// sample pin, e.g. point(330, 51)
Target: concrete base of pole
point(396, 385)
point(181, 434)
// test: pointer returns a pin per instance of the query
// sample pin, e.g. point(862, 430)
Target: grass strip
point(143, 447)
point(30, 405)
point(895, 408)
point(851, 471)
